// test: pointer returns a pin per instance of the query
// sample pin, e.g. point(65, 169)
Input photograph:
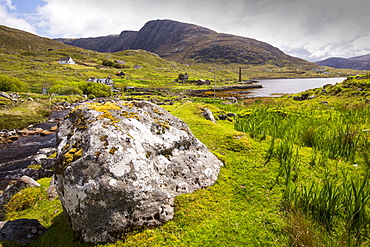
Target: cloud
point(9, 4)
point(11, 19)
point(310, 29)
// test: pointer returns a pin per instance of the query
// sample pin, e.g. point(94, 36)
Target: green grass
point(253, 203)
point(20, 115)
point(295, 174)
point(239, 209)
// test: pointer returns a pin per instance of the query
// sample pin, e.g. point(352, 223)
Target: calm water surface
point(277, 87)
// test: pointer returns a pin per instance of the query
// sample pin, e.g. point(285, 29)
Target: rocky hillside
point(186, 43)
point(358, 63)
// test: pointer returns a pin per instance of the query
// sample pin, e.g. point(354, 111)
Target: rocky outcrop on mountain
point(186, 43)
point(358, 63)
point(121, 164)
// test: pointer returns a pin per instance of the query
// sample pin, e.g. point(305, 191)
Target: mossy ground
point(247, 205)
point(239, 209)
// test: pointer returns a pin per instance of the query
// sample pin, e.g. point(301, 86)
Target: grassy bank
point(20, 115)
point(295, 174)
point(29, 109)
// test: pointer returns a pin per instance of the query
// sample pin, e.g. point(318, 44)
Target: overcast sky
point(309, 29)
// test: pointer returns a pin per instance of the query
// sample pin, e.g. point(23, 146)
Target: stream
point(19, 154)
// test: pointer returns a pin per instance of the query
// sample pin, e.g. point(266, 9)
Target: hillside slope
point(358, 63)
point(34, 60)
point(16, 40)
point(186, 43)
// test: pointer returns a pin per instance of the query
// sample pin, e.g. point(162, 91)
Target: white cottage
point(66, 60)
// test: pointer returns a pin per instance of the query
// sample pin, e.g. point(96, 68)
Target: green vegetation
point(11, 84)
point(80, 88)
point(295, 174)
point(39, 69)
point(20, 115)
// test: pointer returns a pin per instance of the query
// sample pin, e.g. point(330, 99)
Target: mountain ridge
point(358, 62)
point(187, 43)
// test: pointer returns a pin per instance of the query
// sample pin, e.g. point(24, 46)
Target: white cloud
point(311, 29)
point(10, 19)
point(9, 4)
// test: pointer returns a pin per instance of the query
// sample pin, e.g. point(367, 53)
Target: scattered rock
point(207, 114)
point(45, 133)
point(46, 151)
point(302, 97)
point(223, 117)
point(232, 100)
point(52, 190)
point(13, 137)
point(8, 136)
point(11, 96)
point(14, 188)
point(21, 231)
point(120, 166)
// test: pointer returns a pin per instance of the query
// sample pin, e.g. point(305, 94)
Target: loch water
point(278, 87)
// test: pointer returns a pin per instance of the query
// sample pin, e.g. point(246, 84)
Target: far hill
point(16, 40)
point(187, 43)
point(358, 63)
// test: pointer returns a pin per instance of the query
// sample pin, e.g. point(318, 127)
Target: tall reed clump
point(356, 195)
point(335, 133)
point(321, 201)
point(345, 200)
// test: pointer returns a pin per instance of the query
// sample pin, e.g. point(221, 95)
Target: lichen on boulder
point(121, 164)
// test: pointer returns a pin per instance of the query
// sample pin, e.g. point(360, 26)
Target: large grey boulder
point(120, 166)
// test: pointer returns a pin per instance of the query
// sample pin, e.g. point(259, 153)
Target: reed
point(336, 133)
point(356, 197)
point(321, 202)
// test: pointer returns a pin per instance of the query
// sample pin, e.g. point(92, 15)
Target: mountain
point(16, 40)
point(358, 63)
point(186, 43)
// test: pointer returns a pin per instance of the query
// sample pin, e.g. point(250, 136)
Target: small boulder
point(14, 188)
point(21, 231)
point(207, 114)
point(52, 190)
